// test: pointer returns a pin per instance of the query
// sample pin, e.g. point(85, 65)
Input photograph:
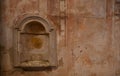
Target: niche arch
point(34, 43)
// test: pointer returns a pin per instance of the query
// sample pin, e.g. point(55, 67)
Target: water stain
point(93, 74)
point(61, 62)
point(36, 42)
point(2, 48)
point(86, 60)
point(118, 73)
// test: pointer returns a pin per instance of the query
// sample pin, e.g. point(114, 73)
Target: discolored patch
point(118, 73)
point(36, 42)
point(61, 62)
point(86, 60)
point(93, 74)
point(2, 48)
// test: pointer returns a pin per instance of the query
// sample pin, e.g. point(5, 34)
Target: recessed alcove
point(34, 27)
point(35, 43)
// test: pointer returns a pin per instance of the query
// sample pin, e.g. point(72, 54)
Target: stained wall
point(88, 34)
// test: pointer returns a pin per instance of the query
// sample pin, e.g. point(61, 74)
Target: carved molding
point(20, 43)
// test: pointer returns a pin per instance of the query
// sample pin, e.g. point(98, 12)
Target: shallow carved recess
point(34, 43)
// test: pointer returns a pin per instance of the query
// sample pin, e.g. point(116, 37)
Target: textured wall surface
point(88, 36)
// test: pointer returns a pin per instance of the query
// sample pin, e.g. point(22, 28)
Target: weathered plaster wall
point(116, 44)
point(88, 36)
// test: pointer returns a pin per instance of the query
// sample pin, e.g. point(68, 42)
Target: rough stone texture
point(88, 37)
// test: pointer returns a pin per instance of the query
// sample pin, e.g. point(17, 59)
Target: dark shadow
point(34, 27)
point(38, 68)
point(0, 34)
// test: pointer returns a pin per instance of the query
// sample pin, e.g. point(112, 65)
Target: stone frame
point(19, 26)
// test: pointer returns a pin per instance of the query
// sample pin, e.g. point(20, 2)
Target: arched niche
point(35, 43)
point(34, 27)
